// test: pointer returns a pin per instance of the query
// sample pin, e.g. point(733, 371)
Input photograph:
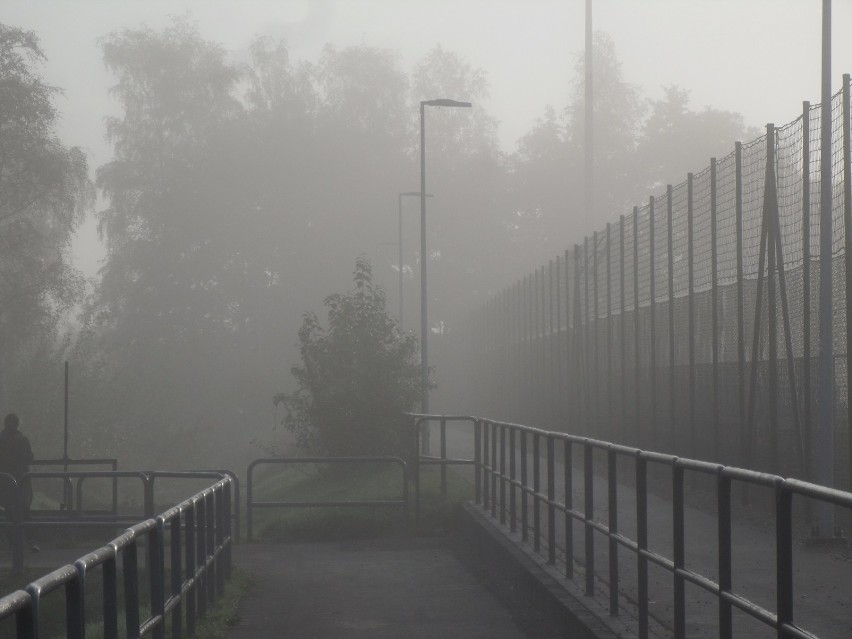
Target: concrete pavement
point(413, 588)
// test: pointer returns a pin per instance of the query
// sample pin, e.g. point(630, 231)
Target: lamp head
point(445, 102)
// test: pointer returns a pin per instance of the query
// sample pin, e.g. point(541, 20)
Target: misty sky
point(758, 57)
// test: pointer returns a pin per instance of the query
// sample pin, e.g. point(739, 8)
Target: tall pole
point(825, 448)
point(424, 337)
point(588, 140)
point(399, 262)
point(424, 328)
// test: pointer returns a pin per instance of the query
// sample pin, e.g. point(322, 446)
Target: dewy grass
point(325, 523)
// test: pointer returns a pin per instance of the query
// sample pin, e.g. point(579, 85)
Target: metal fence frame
point(519, 490)
point(251, 504)
point(198, 531)
point(692, 321)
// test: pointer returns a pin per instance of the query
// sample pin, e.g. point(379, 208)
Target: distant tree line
point(238, 194)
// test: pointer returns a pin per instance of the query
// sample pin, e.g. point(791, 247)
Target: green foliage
point(356, 378)
point(44, 194)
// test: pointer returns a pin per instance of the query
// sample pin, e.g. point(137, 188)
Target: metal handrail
point(199, 534)
point(513, 494)
point(251, 504)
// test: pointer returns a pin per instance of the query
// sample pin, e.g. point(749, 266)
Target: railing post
point(502, 474)
point(589, 499)
point(642, 542)
point(513, 506)
point(494, 469)
point(443, 457)
point(486, 464)
point(157, 575)
point(477, 459)
point(784, 555)
point(176, 576)
point(551, 499)
point(723, 517)
point(524, 487)
point(679, 545)
point(130, 569)
point(536, 492)
point(568, 478)
point(190, 554)
point(612, 499)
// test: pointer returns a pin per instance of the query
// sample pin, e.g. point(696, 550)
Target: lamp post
point(402, 195)
point(424, 328)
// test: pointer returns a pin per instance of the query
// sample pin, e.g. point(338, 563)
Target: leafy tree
point(44, 194)
point(676, 140)
point(356, 378)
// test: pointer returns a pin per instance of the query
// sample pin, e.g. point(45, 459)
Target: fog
point(243, 155)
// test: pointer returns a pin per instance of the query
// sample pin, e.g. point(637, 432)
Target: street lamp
point(402, 195)
point(424, 328)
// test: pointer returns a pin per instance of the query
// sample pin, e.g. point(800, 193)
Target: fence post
point(596, 394)
point(670, 238)
point(587, 343)
point(636, 342)
point(610, 395)
point(579, 377)
point(622, 321)
point(690, 226)
point(769, 220)
point(653, 311)
point(806, 282)
point(714, 304)
point(560, 389)
point(741, 380)
point(847, 224)
point(551, 378)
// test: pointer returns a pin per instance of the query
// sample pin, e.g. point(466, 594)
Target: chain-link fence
point(691, 325)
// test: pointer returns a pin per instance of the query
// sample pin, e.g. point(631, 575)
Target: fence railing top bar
point(186, 474)
point(319, 460)
point(88, 473)
point(13, 602)
point(806, 489)
point(824, 493)
point(76, 462)
point(53, 580)
point(449, 418)
point(96, 557)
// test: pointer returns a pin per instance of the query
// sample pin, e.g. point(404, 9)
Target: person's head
point(11, 422)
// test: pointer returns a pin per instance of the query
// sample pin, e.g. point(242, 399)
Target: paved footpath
point(413, 588)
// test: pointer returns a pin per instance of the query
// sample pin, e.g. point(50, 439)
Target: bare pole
point(588, 140)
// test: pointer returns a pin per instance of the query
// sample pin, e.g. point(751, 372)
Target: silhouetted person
point(15, 458)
